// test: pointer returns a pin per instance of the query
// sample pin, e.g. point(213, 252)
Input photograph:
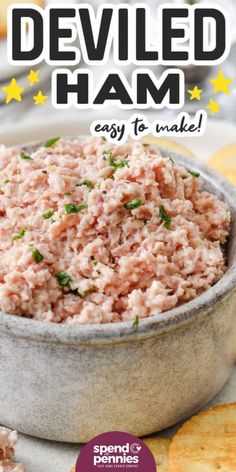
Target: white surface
point(45, 456)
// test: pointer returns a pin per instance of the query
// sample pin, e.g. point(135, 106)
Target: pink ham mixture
point(95, 233)
point(8, 440)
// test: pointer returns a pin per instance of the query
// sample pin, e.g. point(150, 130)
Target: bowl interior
point(217, 185)
point(115, 332)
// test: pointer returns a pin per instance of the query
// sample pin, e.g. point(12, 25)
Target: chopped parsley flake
point(70, 208)
point(194, 174)
point(135, 322)
point(107, 153)
point(64, 279)
point(25, 156)
point(51, 142)
point(165, 217)
point(37, 256)
point(87, 183)
point(6, 181)
point(48, 215)
point(117, 163)
point(146, 144)
point(44, 172)
point(95, 262)
point(20, 234)
point(68, 193)
point(133, 204)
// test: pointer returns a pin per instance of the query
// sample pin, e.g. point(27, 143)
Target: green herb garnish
point(48, 215)
point(146, 144)
point(37, 256)
point(133, 204)
point(165, 217)
point(44, 172)
point(117, 163)
point(20, 234)
point(6, 181)
point(51, 142)
point(95, 262)
point(70, 208)
point(135, 322)
point(68, 193)
point(87, 183)
point(64, 279)
point(194, 174)
point(25, 156)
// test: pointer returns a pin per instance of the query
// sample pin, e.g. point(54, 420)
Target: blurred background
point(195, 76)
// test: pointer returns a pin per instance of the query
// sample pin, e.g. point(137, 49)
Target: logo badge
point(116, 450)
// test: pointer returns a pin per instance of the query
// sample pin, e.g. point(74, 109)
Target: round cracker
point(224, 162)
point(169, 144)
point(159, 448)
point(206, 442)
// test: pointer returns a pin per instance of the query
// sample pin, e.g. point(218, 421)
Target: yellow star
point(33, 77)
point(13, 91)
point(195, 94)
point(40, 99)
point(221, 83)
point(213, 107)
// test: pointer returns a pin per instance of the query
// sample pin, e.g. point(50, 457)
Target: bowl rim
point(92, 334)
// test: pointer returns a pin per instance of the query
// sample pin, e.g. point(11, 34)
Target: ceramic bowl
point(70, 383)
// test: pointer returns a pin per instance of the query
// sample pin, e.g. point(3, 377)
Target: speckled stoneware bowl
point(71, 383)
